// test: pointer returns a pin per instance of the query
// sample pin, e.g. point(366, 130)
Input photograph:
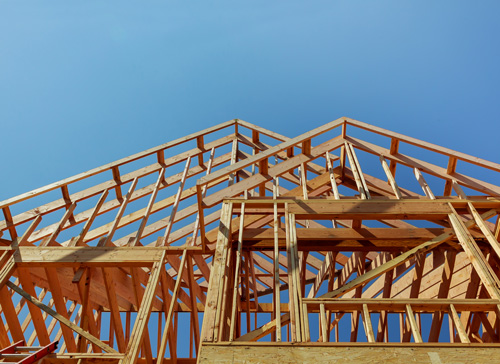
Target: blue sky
point(85, 83)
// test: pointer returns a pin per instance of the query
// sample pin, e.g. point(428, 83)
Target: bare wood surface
point(225, 250)
point(60, 318)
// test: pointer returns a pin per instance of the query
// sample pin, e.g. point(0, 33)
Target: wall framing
point(237, 243)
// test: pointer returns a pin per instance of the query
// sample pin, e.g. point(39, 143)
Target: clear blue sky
point(85, 83)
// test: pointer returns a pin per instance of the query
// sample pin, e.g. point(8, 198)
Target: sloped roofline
point(286, 142)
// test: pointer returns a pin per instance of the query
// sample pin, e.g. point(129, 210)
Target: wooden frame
point(274, 240)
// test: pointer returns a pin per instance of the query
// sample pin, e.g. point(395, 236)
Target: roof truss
point(223, 220)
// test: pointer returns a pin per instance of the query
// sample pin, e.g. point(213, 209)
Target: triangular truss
point(238, 242)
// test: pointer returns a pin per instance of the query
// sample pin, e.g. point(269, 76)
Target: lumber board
point(95, 256)
point(60, 318)
point(399, 305)
point(272, 253)
point(328, 353)
point(425, 247)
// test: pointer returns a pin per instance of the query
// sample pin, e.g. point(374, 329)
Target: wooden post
point(144, 312)
point(276, 273)
point(394, 150)
point(237, 272)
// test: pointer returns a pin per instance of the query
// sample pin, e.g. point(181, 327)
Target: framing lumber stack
point(238, 244)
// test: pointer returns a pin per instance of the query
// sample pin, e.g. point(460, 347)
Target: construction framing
point(238, 244)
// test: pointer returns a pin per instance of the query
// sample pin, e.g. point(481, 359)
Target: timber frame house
point(238, 244)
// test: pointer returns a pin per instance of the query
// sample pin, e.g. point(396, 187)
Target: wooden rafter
point(258, 236)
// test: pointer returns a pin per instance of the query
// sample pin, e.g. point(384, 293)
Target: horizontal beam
point(348, 245)
point(481, 202)
point(398, 305)
point(334, 234)
point(79, 358)
point(95, 256)
point(346, 239)
point(348, 352)
point(369, 210)
point(373, 209)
